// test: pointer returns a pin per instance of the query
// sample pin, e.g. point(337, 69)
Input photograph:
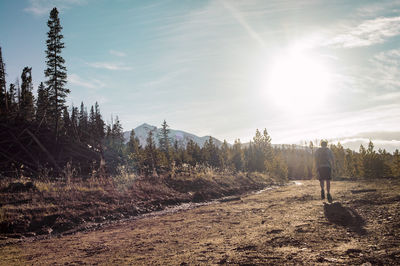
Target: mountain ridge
point(183, 137)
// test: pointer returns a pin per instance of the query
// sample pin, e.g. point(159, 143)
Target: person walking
point(324, 161)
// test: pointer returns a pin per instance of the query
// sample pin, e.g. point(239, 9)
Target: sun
point(298, 82)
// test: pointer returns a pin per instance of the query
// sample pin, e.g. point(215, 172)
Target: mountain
point(182, 137)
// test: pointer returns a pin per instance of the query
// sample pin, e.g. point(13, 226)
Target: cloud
point(367, 33)
point(379, 8)
point(389, 140)
point(110, 65)
point(117, 53)
point(43, 7)
point(90, 84)
point(384, 74)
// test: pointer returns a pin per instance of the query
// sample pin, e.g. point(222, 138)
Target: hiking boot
point(329, 198)
point(322, 194)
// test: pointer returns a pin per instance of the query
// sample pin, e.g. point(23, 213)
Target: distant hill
point(182, 137)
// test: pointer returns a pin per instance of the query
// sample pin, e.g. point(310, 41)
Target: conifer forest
point(112, 196)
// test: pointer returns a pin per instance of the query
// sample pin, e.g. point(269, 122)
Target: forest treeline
point(40, 135)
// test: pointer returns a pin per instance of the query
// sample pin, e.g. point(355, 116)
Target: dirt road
point(288, 225)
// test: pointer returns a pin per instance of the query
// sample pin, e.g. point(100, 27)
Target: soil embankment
point(40, 209)
point(287, 225)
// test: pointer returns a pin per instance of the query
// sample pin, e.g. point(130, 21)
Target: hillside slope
point(182, 137)
point(285, 225)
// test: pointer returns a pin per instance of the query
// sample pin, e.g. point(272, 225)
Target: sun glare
point(297, 82)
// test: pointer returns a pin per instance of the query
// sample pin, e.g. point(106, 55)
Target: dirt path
point(285, 225)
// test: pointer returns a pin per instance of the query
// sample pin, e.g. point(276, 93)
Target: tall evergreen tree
point(165, 142)
point(225, 155)
point(42, 104)
point(55, 72)
point(73, 130)
point(211, 153)
point(92, 126)
point(66, 122)
point(12, 100)
point(237, 155)
point(117, 132)
point(27, 110)
point(193, 152)
point(150, 152)
point(133, 151)
point(83, 126)
point(99, 125)
point(396, 163)
point(3, 88)
point(114, 146)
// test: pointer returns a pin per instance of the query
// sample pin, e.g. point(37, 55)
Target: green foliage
point(276, 166)
point(151, 154)
point(26, 99)
point(396, 163)
point(114, 146)
point(165, 145)
point(42, 103)
point(237, 157)
point(259, 151)
point(372, 165)
point(89, 129)
point(3, 88)
point(56, 72)
point(134, 152)
point(12, 101)
point(211, 154)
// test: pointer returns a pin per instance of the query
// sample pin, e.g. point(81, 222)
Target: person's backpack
point(323, 156)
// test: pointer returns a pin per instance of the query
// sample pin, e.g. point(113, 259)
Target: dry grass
point(44, 206)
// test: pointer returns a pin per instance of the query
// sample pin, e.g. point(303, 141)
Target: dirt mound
point(50, 208)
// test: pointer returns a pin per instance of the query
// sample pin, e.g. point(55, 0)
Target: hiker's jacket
point(324, 157)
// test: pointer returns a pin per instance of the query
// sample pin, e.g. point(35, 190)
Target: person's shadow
point(345, 216)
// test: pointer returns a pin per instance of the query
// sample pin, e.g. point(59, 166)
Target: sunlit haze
point(298, 83)
point(304, 70)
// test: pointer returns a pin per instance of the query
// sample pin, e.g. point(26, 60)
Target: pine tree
point(114, 146)
point(339, 155)
point(27, 110)
point(261, 151)
point(12, 101)
point(211, 153)
point(55, 72)
point(66, 125)
point(3, 88)
point(92, 127)
point(73, 130)
point(277, 167)
point(396, 163)
point(193, 153)
point(164, 141)
point(42, 104)
point(83, 124)
point(225, 155)
point(118, 133)
point(150, 152)
point(18, 94)
point(237, 156)
point(99, 125)
point(133, 151)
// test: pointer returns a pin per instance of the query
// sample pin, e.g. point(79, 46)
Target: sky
point(302, 69)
